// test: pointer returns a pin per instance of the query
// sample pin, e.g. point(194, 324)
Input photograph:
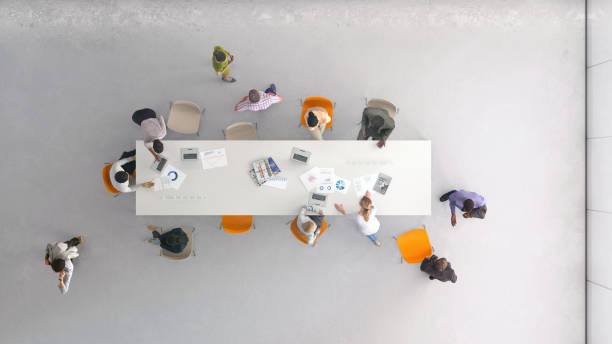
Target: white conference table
point(230, 190)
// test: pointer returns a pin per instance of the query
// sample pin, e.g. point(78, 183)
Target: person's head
point(308, 227)
point(58, 265)
point(253, 96)
point(312, 120)
point(121, 177)
point(219, 56)
point(441, 264)
point(158, 146)
point(366, 207)
point(468, 206)
point(377, 122)
point(175, 240)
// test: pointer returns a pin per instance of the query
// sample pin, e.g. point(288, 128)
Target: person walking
point(221, 60)
point(258, 100)
point(438, 268)
point(59, 256)
point(472, 204)
point(366, 219)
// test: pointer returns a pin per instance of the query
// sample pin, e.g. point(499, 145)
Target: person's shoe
point(378, 243)
point(80, 239)
point(444, 197)
point(273, 87)
point(228, 80)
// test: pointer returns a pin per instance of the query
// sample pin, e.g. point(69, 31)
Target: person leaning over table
point(472, 204)
point(316, 119)
point(310, 225)
point(366, 219)
point(438, 268)
point(153, 130)
point(121, 179)
point(377, 124)
point(221, 60)
point(59, 256)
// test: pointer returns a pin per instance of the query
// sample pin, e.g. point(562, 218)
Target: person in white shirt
point(366, 219)
point(310, 225)
point(123, 181)
point(153, 130)
point(59, 256)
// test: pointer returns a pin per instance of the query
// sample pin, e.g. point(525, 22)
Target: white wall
point(599, 171)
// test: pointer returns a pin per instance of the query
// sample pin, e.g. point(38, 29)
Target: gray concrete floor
point(496, 85)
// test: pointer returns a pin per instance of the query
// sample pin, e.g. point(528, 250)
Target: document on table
point(170, 178)
point(326, 181)
point(213, 158)
point(310, 178)
point(278, 182)
point(364, 183)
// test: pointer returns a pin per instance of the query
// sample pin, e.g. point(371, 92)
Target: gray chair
point(241, 131)
point(383, 104)
point(185, 117)
point(187, 251)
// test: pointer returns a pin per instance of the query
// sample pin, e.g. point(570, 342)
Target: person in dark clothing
point(438, 268)
point(174, 241)
point(376, 123)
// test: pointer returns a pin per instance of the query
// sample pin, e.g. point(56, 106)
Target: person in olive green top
point(221, 60)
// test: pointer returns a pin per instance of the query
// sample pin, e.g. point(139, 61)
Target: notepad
point(213, 158)
point(278, 182)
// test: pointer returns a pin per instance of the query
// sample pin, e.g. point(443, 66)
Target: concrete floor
point(497, 86)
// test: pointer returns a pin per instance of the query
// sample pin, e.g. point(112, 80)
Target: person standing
point(153, 130)
point(258, 100)
point(59, 256)
point(221, 60)
point(310, 225)
point(472, 204)
point(438, 268)
point(316, 119)
point(366, 219)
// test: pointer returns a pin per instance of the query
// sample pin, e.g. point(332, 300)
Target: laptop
point(159, 165)
point(316, 202)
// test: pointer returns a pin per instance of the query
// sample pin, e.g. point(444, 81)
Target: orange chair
point(236, 224)
point(414, 245)
point(318, 101)
point(301, 237)
point(107, 182)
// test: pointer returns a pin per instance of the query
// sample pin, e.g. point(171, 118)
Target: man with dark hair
point(59, 256)
point(438, 268)
point(221, 60)
point(376, 123)
point(316, 119)
point(153, 130)
point(472, 204)
point(123, 181)
point(258, 100)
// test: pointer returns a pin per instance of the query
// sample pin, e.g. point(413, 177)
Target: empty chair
point(106, 179)
point(414, 245)
point(236, 224)
point(383, 104)
point(301, 237)
point(187, 251)
point(241, 131)
point(184, 117)
point(318, 102)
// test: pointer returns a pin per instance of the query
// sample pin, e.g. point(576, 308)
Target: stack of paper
point(170, 178)
point(364, 183)
point(213, 158)
point(277, 182)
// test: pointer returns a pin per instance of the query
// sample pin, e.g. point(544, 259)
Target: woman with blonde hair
point(366, 219)
point(310, 225)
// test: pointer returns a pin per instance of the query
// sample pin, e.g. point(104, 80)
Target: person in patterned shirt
point(258, 100)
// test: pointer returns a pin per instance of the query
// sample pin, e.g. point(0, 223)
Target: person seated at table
point(122, 173)
point(365, 219)
point(174, 241)
point(438, 268)
point(310, 225)
point(376, 124)
point(316, 119)
point(153, 130)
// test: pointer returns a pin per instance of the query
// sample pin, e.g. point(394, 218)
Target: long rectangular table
point(230, 190)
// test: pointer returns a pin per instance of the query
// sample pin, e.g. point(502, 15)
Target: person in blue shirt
point(174, 240)
point(472, 204)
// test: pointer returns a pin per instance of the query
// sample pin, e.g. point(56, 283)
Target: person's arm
point(302, 218)
point(155, 155)
point(65, 281)
point(47, 262)
point(241, 104)
point(453, 277)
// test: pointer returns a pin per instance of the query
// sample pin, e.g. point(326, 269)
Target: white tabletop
point(230, 190)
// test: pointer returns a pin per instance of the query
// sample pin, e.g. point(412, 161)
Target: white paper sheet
point(310, 178)
point(175, 176)
point(326, 180)
point(213, 158)
point(278, 182)
point(364, 183)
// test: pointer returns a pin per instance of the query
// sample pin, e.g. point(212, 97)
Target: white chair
point(241, 131)
point(187, 251)
point(185, 117)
